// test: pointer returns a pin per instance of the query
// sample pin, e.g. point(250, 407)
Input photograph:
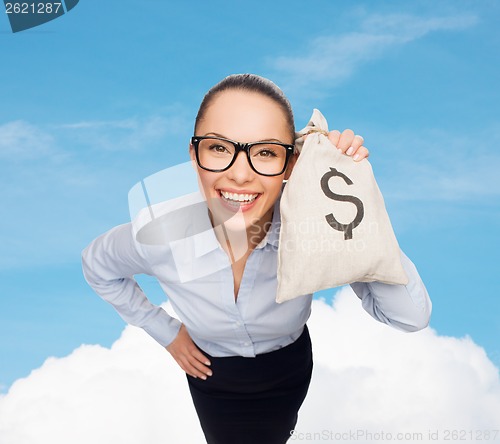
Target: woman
point(247, 359)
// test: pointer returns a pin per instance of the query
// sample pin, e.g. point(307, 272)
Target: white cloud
point(130, 134)
point(119, 135)
point(56, 177)
point(410, 27)
point(333, 58)
point(367, 376)
point(474, 180)
point(438, 165)
point(21, 141)
point(131, 393)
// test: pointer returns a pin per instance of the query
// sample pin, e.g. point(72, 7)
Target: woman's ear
point(192, 156)
point(191, 152)
point(291, 164)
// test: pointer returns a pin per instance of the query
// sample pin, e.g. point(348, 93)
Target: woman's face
point(244, 117)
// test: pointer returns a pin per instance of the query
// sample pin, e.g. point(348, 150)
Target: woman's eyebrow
point(263, 140)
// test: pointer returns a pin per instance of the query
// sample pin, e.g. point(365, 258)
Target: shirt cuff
point(162, 327)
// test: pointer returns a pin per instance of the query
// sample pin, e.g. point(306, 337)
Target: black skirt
point(254, 400)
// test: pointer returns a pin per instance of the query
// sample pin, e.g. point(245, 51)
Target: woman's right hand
point(188, 356)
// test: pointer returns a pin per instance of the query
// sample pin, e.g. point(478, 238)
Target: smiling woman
point(248, 360)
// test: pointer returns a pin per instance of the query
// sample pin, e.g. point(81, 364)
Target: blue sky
point(106, 95)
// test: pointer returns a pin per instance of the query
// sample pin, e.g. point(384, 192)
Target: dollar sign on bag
point(330, 218)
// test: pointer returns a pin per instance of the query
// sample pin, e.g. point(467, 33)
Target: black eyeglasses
point(217, 154)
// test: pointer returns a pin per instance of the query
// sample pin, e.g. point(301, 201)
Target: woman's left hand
point(349, 143)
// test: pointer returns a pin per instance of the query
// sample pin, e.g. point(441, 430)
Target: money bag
point(335, 229)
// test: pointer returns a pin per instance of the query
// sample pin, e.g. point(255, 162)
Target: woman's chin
point(235, 215)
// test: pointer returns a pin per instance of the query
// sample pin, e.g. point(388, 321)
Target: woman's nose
point(240, 170)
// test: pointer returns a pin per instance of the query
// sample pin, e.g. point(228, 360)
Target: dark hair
point(252, 83)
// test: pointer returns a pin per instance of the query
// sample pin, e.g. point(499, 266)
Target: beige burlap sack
point(334, 226)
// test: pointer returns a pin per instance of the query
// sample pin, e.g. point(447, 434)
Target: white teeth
point(239, 197)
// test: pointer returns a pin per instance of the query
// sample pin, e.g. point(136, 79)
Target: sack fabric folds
point(335, 229)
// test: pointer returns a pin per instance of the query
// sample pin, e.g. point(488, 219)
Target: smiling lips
point(238, 199)
point(234, 197)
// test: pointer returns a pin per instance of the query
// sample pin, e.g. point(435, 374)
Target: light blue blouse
point(219, 325)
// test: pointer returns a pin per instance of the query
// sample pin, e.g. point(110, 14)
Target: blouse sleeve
point(109, 263)
point(404, 307)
